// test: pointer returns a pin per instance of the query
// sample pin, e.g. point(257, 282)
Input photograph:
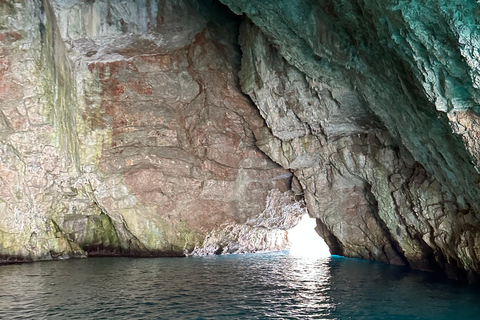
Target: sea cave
point(208, 128)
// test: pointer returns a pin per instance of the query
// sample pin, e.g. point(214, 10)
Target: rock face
point(361, 98)
point(174, 156)
point(124, 130)
point(129, 135)
point(371, 198)
point(40, 179)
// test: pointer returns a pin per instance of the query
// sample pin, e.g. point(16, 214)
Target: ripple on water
point(262, 286)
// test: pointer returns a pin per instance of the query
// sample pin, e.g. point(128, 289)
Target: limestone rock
point(40, 181)
point(409, 62)
point(263, 233)
point(371, 198)
point(124, 130)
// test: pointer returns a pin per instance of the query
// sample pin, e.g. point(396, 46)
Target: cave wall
point(125, 129)
point(175, 155)
point(373, 106)
point(125, 132)
point(371, 198)
point(407, 61)
point(39, 163)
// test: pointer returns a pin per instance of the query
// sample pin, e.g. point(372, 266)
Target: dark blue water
point(262, 286)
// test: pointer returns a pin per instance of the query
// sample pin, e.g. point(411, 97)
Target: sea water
point(253, 286)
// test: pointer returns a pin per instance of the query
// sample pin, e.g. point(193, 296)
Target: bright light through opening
point(305, 241)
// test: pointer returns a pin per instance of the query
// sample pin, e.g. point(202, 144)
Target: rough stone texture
point(124, 131)
point(177, 158)
point(371, 199)
point(265, 232)
point(409, 62)
point(39, 181)
point(348, 92)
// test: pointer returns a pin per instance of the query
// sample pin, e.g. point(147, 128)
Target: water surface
point(254, 286)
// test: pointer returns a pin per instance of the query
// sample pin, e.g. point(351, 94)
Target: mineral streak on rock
point(40, 181)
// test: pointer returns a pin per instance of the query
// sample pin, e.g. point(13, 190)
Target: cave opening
point(305, 242)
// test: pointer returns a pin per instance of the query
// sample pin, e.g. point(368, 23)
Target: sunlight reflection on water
point(253, 286)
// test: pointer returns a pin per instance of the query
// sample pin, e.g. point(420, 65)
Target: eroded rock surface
point(123, 128)
point(360, 119)
point(40, 180)
point(146, 144)
point(397, 56)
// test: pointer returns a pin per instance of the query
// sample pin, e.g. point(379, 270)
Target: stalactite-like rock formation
point(124, 129)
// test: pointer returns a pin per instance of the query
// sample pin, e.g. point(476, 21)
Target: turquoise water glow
point(260, 286)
